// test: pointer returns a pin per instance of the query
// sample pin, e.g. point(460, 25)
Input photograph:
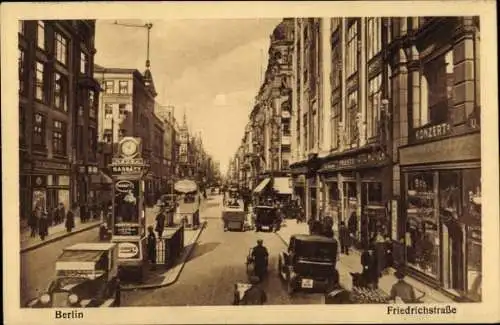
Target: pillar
point(326, 72)
point(343, 83)
point(464, 56)
point(295, 117)
point(362, 80)
point(300, 113)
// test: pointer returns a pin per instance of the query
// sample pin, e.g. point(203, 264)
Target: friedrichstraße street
point(215, 265)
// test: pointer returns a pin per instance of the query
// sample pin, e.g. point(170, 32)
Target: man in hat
point(402, 289)
point(255, 295)
point(260, 257)
point(160, 219)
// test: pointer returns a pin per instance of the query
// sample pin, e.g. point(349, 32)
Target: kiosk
point(128, 224)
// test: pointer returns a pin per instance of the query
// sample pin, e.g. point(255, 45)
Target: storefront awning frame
point(262, 185)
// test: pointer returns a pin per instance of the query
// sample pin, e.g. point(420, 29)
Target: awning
point(262, 185)
point(283, 185)
point(101, 178)
point(186, 186)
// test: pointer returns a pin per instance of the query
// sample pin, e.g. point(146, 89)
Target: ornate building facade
point(386, 137)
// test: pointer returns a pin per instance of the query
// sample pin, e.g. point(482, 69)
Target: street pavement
point(216, 264)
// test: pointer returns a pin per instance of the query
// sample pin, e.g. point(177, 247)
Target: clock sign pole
point(128, 224)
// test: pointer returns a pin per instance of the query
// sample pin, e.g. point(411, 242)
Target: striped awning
point(262, 185)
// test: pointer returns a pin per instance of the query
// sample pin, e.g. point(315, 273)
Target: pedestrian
point(344, 238)
point(255, 295)
point(43, 226)
point(83, 213)
point(151, 247)
point(380, 251)
point(160, 220)
point(33, 221)
point(402, 289)
point(70, 219)
point(328, 227)
point(369, 264)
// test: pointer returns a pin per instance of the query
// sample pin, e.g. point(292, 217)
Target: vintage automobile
point(265, 216)
point(309, 263)
point(234, 216)
point(86, 276)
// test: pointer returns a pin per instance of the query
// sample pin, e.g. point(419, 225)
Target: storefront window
point(471, 212)
point(422, 236)
point(375, 219)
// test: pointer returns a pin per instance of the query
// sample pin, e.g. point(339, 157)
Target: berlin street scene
point(227, 162)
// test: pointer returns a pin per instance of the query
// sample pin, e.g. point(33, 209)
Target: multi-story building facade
point(126, 108)
point(57, 113)
point(166, 114)
point(267, 139)
point(386, 137)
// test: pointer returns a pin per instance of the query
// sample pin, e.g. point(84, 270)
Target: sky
point(209, 69)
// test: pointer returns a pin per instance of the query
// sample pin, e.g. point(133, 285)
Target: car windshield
point(316, 250)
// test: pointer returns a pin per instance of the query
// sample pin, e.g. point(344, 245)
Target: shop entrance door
point(456, 257)
point(350, 205)
point(312, 193)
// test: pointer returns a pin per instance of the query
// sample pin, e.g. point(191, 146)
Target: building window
point(21, 27)
point(351, 116)
point(108, 111)
point(336, 65)
point(373, 37)
point(109, 86)
point(39, 130)
point(334, 125)
point(41, 35)
point(92, 104)
point(61, 48)
point(92, 150)
point(352, 49)
point(60, 92)
point(84, 63)
point(122, 133)
point(20, 69)
point(286, 128)
point(373, 106)
point(436, 91)
point(122, 110)
point(108, 136)
point(422, 235)
point(123, 86)
point(59, 138)
point(39, 82)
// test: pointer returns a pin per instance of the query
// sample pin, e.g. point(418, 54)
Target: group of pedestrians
point(41, 220)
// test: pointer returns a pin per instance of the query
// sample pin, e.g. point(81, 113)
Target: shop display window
point(422, 230)
point(471, 212)
point(375, 218)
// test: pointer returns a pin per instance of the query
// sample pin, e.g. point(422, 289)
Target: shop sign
point(433, 131)
point(50, 165)
point(124, 166)
point(394, 220)
point(128, 250)
point(126, 230)
point(124, 186)
point(358, 161)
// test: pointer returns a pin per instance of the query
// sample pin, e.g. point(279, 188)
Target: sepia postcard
point(250, 162)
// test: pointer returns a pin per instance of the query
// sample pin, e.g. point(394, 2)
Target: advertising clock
point(129, 148)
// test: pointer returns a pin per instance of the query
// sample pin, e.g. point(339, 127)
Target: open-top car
point(309, 262)
point(86, 276)
point(265, 217)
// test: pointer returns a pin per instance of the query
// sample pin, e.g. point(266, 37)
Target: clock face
point(129, 148)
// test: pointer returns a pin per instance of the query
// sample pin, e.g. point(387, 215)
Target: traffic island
point(162, 277)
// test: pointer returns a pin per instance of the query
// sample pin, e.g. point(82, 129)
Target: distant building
point(57, 113)
point(126, 108)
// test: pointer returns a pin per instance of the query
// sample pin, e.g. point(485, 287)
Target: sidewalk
point(351, 263)
point(55, 233)
point(162, 277)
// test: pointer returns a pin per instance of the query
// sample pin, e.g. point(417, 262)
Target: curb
point(66, 234)
point(182, 264)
